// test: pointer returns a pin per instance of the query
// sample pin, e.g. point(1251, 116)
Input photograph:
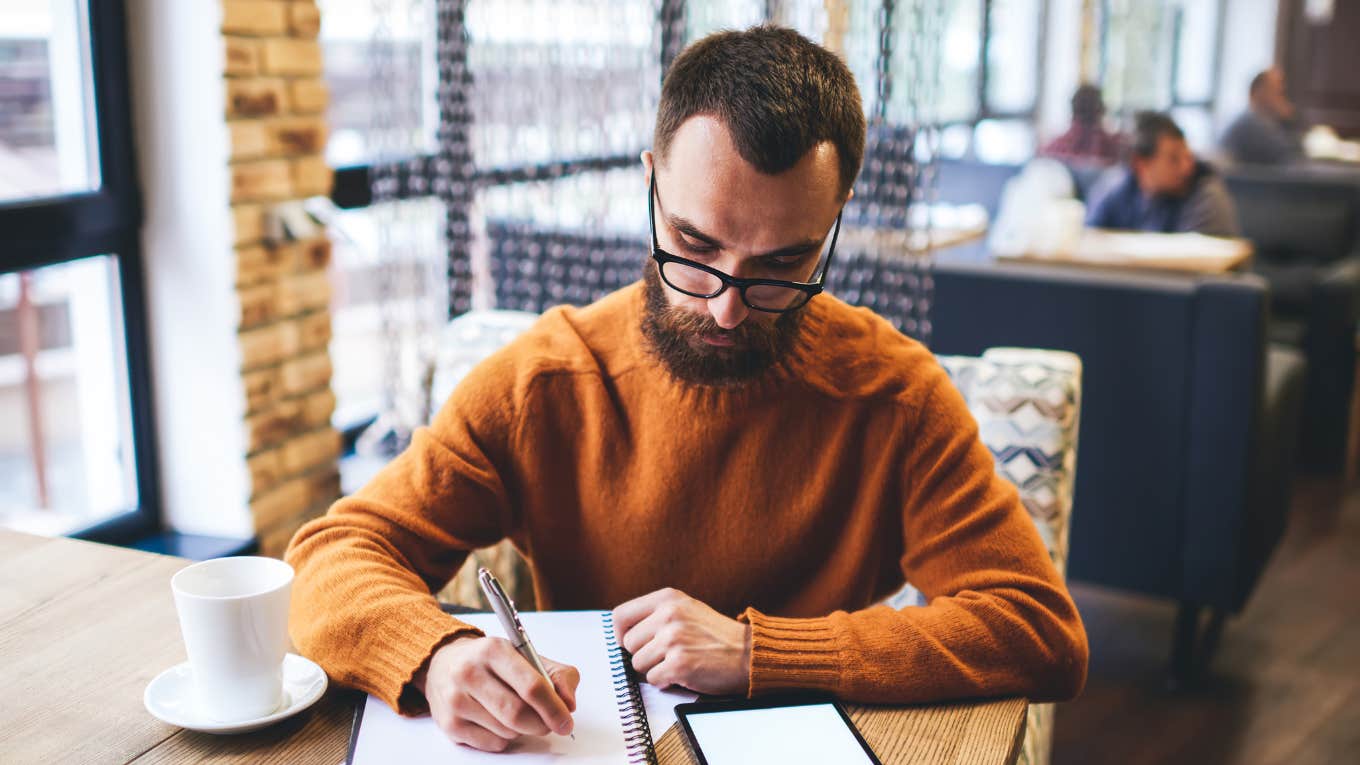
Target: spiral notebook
point(616, 717)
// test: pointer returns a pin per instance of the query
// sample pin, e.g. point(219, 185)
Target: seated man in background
point(739, 466)
point(1162, 187)
point(1265, 134)
point(1086, 141)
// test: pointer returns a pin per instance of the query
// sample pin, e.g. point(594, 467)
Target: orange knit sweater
point(794, 503)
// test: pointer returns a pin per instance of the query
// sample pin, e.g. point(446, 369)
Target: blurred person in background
point(1086, 140)
point(1266, 133)
point(1162, 187)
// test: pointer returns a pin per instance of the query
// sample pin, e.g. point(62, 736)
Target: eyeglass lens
point(701, 284)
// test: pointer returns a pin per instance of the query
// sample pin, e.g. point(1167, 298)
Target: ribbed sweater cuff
point(401, 648)
point(792, 654)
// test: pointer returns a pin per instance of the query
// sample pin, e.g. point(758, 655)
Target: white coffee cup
point(233, 613)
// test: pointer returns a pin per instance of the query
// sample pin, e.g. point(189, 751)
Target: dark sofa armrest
point(1329, 343)
point(1338, 289)
point(1273, 460)
point(1227, 381)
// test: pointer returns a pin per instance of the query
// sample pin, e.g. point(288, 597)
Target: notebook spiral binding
point(637, 734)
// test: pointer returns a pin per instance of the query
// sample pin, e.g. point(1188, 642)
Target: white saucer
point(169, 697)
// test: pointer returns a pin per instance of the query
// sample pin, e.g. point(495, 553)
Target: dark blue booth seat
point(1305, 226)
point(1304, 222)
point(1187, 424)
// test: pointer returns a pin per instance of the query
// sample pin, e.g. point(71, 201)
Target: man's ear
point(1138, 167)
point(646, 157)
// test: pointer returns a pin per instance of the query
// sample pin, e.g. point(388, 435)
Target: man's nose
point(727, 309)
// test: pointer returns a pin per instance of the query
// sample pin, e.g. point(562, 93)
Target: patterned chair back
point(465, 342)
point(1027, 404)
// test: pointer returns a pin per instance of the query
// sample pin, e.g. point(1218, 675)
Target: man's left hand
point(677, 640)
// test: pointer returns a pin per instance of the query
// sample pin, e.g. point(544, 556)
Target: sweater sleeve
point(999, 620)
point(1210, 210)
point(362, 603)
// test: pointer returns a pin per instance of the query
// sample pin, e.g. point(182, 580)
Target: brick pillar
point(275, 110)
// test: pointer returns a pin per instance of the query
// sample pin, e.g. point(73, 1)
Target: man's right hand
point(482, 693)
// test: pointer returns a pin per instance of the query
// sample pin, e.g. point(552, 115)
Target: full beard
point(675, 336)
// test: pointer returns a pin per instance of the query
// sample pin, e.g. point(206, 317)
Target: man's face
point(715, 208)
point(1169, 170)
point(1271, 96)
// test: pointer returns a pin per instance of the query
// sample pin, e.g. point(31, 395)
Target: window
point(47, 142)
point(68, 462)
point(367, 47)
point(559, 81)
point(367, 302)
point(1013, 55)
point(1162, 55)
point(356, 37)
point(563, 95)
point(988, 57)
point(704, 17)
point(76, 455)
point(989, 76)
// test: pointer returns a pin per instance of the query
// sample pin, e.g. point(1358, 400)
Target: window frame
point(985, 111)
point(56, 229)
point(1173, 71)
point(1216, 68)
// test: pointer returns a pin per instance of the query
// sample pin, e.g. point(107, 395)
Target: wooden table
point(903, 243)
point(85, 627)
point(1188, 253)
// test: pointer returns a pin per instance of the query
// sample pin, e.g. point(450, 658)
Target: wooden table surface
point(85, 627)
point(902, 243)
point(1148, 250)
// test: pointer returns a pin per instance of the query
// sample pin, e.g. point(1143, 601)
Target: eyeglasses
point(701, 281)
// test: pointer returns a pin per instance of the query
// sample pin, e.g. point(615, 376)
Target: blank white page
point(571, 637)
point(814, 734)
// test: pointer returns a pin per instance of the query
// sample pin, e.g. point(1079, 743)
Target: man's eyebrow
point(692, 231)
point(684, 226)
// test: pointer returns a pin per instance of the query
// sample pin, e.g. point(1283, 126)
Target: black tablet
point(782, 730)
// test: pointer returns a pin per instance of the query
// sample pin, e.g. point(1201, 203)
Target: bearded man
point(738, 465)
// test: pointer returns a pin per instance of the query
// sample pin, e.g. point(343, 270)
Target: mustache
point(745, 334)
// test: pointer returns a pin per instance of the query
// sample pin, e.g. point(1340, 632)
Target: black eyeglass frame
point(810, 289)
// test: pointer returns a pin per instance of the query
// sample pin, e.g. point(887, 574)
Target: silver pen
point(514, 629)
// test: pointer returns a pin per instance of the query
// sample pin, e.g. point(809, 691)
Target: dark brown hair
point(778, 94)
point(1258, 82)
point(1088, 106)
point(1148, 128)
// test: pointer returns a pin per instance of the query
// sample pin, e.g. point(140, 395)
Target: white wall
point(178, 95)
